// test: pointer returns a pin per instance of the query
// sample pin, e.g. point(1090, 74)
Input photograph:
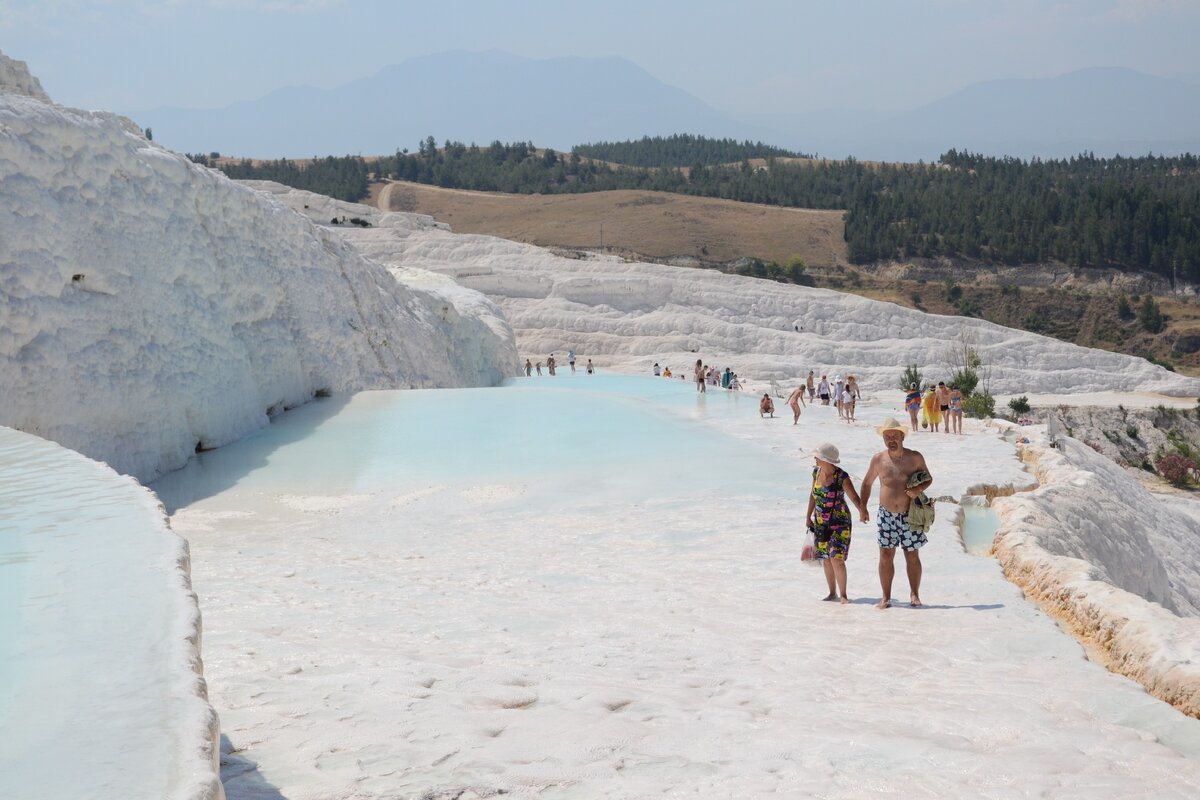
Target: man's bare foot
point(915, 601)
point(884, 603)
point(830, 596)
point(845, 600)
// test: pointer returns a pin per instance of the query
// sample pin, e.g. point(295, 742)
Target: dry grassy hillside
point(655, 224)
point(664, 226)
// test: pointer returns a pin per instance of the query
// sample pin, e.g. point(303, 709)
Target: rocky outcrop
point(15, 79)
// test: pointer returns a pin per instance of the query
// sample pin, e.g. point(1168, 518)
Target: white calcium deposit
point(1114, 561)
point(149, 307)
point(629, 315)
point(102, 693)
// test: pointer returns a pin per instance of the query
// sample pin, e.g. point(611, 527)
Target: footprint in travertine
point(492, 733)
point(492, 493)
point(513, 698)
point(427, 682)
point(518, 681)
point(321, 504)
point(401, 500)
point(616, 705)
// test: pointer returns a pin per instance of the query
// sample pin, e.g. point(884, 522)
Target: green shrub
point(913, 375)
point(979, 406)
point(1019, 405)
point(1131, 432)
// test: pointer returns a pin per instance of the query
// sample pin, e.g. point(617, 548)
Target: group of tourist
point(704, 376)
point(904, 512)
point(903, 515)
point(552, 365)
point(938, 405)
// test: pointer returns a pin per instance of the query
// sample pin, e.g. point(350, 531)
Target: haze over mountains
point(562, 102)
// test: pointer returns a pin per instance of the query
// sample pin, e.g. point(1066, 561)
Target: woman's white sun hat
point(827, 452)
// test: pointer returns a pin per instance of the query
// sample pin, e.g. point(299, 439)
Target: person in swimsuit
point(795, 400)
point(766, 405)
point(812, 389)
point(892, 467)
point(956, 409)
point(528, 368)
point(912, 404)
point(828, 517)
point(700, 376)
point(590, 369)
point(943, 400)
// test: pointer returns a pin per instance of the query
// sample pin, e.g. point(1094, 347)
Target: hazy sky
point(738, 55)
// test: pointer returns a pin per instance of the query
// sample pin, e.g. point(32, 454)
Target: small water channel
point(978, 525)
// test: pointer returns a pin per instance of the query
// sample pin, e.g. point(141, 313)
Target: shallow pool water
point(978, 526)
point(89, 595)
point(606, 437)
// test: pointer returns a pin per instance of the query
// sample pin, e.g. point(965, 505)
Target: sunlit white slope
point(1116, 562)
point(150, 307)
point(102, 692)
point(630, 315)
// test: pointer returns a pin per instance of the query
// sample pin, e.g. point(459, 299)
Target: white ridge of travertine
point(106, 697)
point(627, 316)
point(15, 79)
point(150, 307)
point(1096, 549)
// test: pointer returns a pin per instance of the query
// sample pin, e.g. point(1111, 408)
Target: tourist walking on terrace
point(894, 466)
point(795, 400)
point(823, 390)
point(828, 517)
point(943, 400)
point(912, 404)
point(930, 416)
point(528, 368)
point(956, 409)
point(571, 360)
point(539, 368)
point(808, 383)
point(848, 404)
point(657, 371)
point(550, 363)
point(590, 369)
point(700, 376)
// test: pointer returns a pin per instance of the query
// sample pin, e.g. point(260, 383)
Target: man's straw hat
point(827, 452)
point(890, 424)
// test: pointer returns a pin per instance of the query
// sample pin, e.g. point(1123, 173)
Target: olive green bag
point(920, 511)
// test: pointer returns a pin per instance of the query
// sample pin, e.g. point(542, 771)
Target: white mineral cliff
point(629, 315)
point(149, 307)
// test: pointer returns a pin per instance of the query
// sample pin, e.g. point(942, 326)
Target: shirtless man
point(766, 405)
point(812, 389)
point(892, 467)
point(795, 400)
point(943, 400)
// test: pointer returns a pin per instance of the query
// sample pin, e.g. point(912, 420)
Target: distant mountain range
point(562, 102)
